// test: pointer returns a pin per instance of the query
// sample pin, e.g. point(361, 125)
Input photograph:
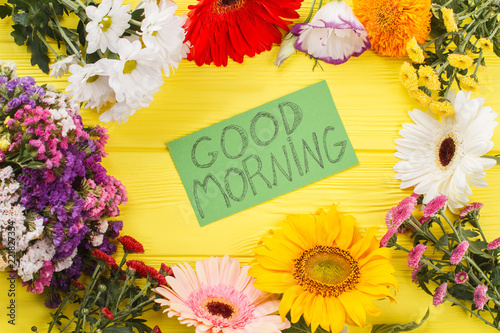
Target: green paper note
point(263, 153)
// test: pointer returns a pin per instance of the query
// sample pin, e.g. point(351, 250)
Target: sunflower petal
point(353, 307)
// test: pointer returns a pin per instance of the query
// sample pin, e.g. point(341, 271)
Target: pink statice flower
point(471, 210)
point(38, 285)
point(333, 35)
point(439, 294)
point(219, 297)
point(387, 236)
point(493, 244)
point(434, 206)
point(461, 277)
point(459, 252)
point(480, 297)
point(415, 255)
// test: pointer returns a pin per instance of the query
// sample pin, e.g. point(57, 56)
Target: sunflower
point(391, 23)
point(218, 29)
point(326, 271)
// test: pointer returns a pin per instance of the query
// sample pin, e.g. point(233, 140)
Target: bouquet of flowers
point(105, 53)
point(462, 264)
point(55, 196)
point(112, 301)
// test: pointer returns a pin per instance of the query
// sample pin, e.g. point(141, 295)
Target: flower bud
point(101, 288)
point(287, 48)
point(85, 311)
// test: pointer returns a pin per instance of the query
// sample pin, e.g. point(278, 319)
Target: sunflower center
point(447, 151)
point(226, 6)
point(326, 270)
point(105, 24)
point(221, 308)
point(129, 67)
point(387, 17)
point(92, 79)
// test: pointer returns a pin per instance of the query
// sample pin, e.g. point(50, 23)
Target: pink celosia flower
point(471, 209)
point(415, 255)
point(493, 244)
point(480, 298)
point(459, 252)
point(387, 236)
point(219, 297)
point(434, 206)
point(439, 294)
point(461, 277)
point(415, 272)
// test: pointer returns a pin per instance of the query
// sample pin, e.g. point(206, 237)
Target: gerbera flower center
point(220, 307)
point(447, 150)
point(226, 6)
point(105, 24)
point(326, 270)
point(129, 67)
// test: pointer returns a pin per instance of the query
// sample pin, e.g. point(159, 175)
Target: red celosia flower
point(107, 313)
point(103, 256)
point(77, 284)
point(131, 244)
point(153, 274)
point(139, 267)
point(156, 329)
point(166, 270)
point(218, 29)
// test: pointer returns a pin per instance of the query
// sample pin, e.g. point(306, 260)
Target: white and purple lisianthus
point(333, 35)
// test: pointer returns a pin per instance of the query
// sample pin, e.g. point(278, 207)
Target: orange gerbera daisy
point(391, 23)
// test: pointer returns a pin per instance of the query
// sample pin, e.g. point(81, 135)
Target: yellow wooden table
point(373, 106)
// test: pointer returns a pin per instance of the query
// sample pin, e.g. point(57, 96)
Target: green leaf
point(117, 329)
point(460, 291)
point(302, 327)
point(477, 247)
point(39, 56)
point(5, 10)
point(442, 242)
point(394, 328)
point(35, 165)
point(18, 34)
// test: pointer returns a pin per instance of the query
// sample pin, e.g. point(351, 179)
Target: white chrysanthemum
point(90, 84)
point(121, 111)
point(445, 158)
point(108, 22)
point(163, 31)
point(60, 67)
point(136, 74)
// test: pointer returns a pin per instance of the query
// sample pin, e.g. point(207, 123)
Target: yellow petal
point(336, 314)
point(271, 281)
point(298, 307)
point(345, 236)
point(359, 248)
point(289, 297)
point(269, 260)
point(353, 307)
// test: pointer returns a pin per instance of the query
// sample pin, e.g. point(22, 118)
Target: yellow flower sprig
point(461, 33)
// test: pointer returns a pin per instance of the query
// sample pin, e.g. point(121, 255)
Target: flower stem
point(310, 12)
point(65, 37)
point(40, 36)
point(481, 273)
point(470, 311)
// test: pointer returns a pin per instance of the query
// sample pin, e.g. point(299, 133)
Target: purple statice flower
point(53, 300)
point(415, 255)
point(333, 35)
point(58, 234)
point(480, 298)
point(439, 294)
point(114, 228)
point(459, 252)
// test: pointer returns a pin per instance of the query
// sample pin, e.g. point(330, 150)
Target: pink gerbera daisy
point(219, 297)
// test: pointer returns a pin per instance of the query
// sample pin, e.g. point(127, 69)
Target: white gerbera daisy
point(60, 67)
point(90, 84)
point(121, 111)
point(108, 22)
point(445, 158)
point(164, 32)
point(136, 74)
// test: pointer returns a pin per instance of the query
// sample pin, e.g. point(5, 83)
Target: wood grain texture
point(373, 106)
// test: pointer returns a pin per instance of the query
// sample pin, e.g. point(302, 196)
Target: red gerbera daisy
point(218, 29)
